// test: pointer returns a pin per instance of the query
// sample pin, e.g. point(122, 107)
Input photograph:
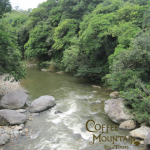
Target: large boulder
point(14, 100)
point(116, 110)
point(129, 124)
point(42, 103)
point(11, 117)
point(141, 132)
point(147, 139)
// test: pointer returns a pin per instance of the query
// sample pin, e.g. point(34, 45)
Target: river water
point(67, 130)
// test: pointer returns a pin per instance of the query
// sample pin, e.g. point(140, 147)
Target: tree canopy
point(10, 55)
point(102, 40)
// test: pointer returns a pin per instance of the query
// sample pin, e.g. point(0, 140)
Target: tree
point(130, 74)
point(39, 42)
point(9, 53)
point(17, 8)
point(4, 7)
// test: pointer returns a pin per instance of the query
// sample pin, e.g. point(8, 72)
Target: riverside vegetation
point(101, 40)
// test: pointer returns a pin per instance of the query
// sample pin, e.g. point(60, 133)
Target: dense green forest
point(102, 40)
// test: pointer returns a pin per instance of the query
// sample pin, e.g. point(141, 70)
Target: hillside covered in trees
point(101, 40)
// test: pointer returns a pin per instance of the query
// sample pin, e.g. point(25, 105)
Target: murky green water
point(66, 131)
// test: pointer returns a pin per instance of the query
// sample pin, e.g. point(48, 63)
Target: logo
point(100, 134)
point(136, 143)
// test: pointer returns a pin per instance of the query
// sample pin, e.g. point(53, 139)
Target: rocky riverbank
point(118, 113)
point(14, 112)
point(8, 86)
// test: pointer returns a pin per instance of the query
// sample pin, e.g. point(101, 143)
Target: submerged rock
point(96, 102)
point(94, 92)
point(77, 136)
point(60, 72)
point(14, 100)
point(95, 86)
point(141, 132)
point(11, 117)
point(42, 103)
point(58, 112)
point(116, 110)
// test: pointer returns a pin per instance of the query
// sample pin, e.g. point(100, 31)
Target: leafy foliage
point(90, 39)
point(64, 32)
point(130, 74)
point(4, 7)
point(9, 54)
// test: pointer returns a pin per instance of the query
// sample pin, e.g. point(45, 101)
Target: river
point(67, 130)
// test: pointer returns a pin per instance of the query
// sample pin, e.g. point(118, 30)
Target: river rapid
point(67, 130)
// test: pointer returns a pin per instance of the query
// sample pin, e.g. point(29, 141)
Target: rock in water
point(141, 132)
point(11, 117)
point(116, 110)
point(129, 124)
point(114, 94)
point(14, 100)
point(44, 70)
point(58, 112)
point(42, 103)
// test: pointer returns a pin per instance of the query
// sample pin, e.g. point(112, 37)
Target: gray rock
point(11, 117)
point(24, 132)
point(129, 124)
point(116, 110)
point(15, 133)
point(21, 110)
point(4, 139)
point(18, 128)
point(14, 100)
point(2, 142)
point(147, 139)
point(35, 114)
point(142, 142)
point(58, 112)
point(25, 91)
point(141, 132)
point(42, 103)
point(22, 125)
